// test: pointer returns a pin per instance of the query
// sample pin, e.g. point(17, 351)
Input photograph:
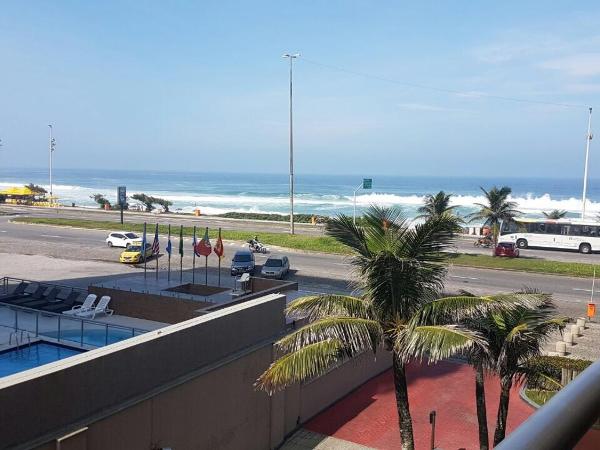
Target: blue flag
point(144, 239)
point(168, 248)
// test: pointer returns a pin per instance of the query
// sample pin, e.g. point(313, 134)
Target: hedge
point(552, 366)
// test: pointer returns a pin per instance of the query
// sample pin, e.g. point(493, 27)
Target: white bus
point(568, 234)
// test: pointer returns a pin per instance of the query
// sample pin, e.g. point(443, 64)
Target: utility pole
point(52, 145)
point(587, 156)
point(291, 57)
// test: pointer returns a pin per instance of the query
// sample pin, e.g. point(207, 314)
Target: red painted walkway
point(368, 416)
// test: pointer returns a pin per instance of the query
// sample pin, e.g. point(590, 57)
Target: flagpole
point(143, 253)
point(219, 283)
point(181, 253)
point(170, 250)
point(194, 257)
point(158, 252)
point(206, 263)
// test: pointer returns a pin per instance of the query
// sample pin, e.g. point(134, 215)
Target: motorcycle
point(484, 242)
point(257, 247)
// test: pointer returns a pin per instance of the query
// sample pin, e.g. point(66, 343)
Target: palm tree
point(400, 272)
point(555, 214)
point(513, 338)
point(436, 205)
point(496, 209)
point(478, 355)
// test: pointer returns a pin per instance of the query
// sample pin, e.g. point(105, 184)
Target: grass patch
point(540, 397)
point(324, 244)
point(525, 265)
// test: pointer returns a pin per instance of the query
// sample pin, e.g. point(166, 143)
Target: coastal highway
point(314, 272)
point(464, 244)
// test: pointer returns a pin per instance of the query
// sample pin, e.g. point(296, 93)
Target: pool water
point(94, 338)
point(34, 355)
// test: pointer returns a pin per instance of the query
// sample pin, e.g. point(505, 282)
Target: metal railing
point(68, 329)
point(11, 281)
point(563, 421)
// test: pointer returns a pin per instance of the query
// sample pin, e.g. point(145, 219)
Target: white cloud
point(578, 65)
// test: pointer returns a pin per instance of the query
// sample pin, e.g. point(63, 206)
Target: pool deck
point(49, 323)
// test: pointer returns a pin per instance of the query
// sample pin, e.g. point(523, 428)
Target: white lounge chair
point(101, 308)
point(88, 305)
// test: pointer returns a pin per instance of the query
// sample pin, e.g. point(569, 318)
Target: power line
point(439, 89)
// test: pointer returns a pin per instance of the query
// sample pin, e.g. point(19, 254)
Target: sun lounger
point(67, 304)
point(17, 292)
point(46, 300)
point(87, 305)
point(38, 294)
point(101, 308)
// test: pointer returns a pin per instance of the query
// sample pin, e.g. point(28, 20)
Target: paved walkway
point(369, 417)
point(307, 440)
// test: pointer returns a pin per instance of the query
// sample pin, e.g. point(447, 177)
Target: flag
point(181, 240)
point(195, 244)
point(155, 244)
point(144, 239)
point(203, 247)
point(219, 249)
point(169, 247)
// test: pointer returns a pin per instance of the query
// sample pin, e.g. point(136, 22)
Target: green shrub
point(298, 218)
point(551, 366)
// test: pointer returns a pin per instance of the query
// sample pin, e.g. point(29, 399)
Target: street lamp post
point(585, 170)
point(52, 145)
point(291, 57)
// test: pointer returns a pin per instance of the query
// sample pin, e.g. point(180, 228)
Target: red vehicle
point(508, 249)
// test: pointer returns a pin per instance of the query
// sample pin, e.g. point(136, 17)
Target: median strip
point(326, 244)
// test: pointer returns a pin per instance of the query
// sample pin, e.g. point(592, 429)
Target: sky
point(391, 88)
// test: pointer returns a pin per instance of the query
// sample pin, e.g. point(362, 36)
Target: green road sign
point(367, 183)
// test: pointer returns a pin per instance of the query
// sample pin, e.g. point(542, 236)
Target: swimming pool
point(94, 338)
point(34, 355)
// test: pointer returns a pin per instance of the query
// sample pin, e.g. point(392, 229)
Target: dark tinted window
point(118, 236)
point(131, 235)
point(242, 257)
point(271, 262)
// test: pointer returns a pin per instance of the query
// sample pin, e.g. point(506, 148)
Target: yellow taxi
point(133, 253)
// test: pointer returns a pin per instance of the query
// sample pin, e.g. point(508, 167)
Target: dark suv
point(242, 262)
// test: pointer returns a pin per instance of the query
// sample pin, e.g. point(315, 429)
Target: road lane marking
point(463, 278)
point(50, 235)
point(581, 289)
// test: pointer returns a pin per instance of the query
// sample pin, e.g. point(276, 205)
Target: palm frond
point(356, 334)
point(306, 363)
point(317, 306)
point(436, 342)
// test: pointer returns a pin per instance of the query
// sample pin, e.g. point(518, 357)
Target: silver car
point(275, 267)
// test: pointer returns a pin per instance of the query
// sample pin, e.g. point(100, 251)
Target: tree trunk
point(484, 443)
point(505, 386)
point(404, 419)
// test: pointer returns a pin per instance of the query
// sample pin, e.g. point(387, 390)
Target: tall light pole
point(587, 156)
point(291, 57)
point(52, 145)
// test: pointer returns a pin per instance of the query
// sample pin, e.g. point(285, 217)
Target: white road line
point(3, 231)
point(581, 289)
point(50, 235)
point(463, 278)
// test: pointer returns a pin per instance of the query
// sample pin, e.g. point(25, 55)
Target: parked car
point(275, 267)
point(122, 239)
point(242, 262)
point(507, 249)
point(133, 253)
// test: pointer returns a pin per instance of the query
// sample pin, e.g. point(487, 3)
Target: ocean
point(215, 193)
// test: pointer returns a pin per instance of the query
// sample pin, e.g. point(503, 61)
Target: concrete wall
point(191, 386)
point(150, 306)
